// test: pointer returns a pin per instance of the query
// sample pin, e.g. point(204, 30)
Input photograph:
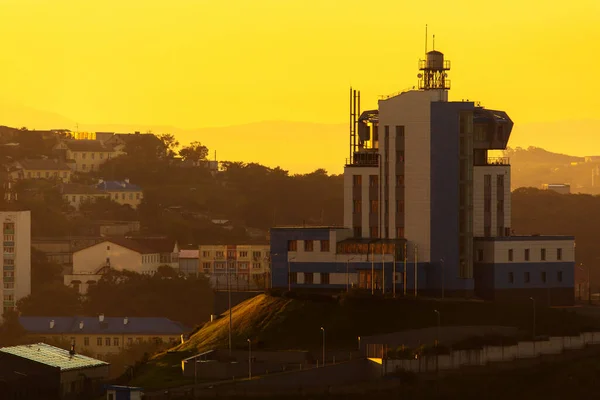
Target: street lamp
point(348, 274)
point(249, 359)
point(443, 277)
point(533, 327)
point(437, 332)
point(290, 274)
point(323, 329)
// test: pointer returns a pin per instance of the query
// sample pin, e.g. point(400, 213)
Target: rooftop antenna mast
point(433, 42)
point(425, 39)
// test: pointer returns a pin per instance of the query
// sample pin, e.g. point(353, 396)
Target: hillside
point(283, 323)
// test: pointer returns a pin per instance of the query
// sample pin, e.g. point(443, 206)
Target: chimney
point(101, 318)
point(126, 180)
point(80, 324)
point(52, 324)
point(100, 180)
point(72, 351)
point(125, 321)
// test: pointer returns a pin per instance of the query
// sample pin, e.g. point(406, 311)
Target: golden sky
point(199, 63)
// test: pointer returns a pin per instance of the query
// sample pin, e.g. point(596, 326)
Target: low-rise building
point(55, 373)
point(16, 265)
point(122, 192)
point(188, 262)
point(104, 335)
point(561, 188)
point(248, 265)
point(84, 155)
point(77, 194)
point(142, 255)
point(60, 249)
point(40, 169)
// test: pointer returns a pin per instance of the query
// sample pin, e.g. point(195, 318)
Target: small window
point(357, 180)
point(308, 245)
point(324, 278)
point(559, 276)
point(129, 341)
point(399, 206)
point(510, 255)
point(324, 245)
point(487, 180)
point(559, 254)
point(116, 341)
point(399, 180)
point(108, 247)
point(480, 255)
point(500, 180)
point(374, 232)
point(543, 275)
point(357, 206)
point(400, 232)
point(357, 231)
point(527, 277)
point(526, 254)
point(374, 206)
point(292, 245)
point(373, 180)
point(243, 254)
point(293, 277)
point(308, 278)
point(399, 130)
point(107, 341)
point(511, 277)
point(86, 341)
point(543, 254)
point(99, 341)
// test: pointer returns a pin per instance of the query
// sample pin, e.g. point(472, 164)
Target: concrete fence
point(492, 354)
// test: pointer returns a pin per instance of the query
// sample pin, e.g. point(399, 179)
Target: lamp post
point(437, 331)
point(249, 359)
point(533, 325)
point(348, 274)
point(443, 277)
point(270, 259)
point(229, 300)
point(290, 273)
point(323, 329)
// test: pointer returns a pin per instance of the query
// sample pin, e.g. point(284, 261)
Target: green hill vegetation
point(282, 323)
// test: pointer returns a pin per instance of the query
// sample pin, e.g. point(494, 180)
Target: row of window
point(374, 179)
point(487, 180)
point(308, 245)
point(47, 174)
point(9, 250)
point(92, 155)
point(9, 238)
point(526, 254)
point(9, 228)
point(309, 277)
point(116, 341)
point(527, 277)
point(487, 206)
point(232, 254)
point(9, 285)
point(374, 232)
point(222, 264)
point(374, 206)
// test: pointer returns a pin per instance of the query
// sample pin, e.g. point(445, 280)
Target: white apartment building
point(16, 269)
point(248, 265)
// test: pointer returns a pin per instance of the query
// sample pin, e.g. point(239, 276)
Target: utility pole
point(589, 284)
point(404, 276)
point(323, 329)
point(394, 274)
point(533, 325)
point(373, 270)
point(290, 274)
point(443, 277)
point(249, 359)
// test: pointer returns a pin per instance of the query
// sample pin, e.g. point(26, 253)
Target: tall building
point(16, 270)
point(421, 187)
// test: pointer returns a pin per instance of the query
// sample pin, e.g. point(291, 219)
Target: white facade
point(349, 174)
point(524, 251)
point(479, 184)
point(16, 274)
point(249, 259)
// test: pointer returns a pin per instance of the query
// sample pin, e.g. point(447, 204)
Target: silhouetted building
point(561, 188)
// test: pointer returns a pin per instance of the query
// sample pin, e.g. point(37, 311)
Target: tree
point(170, 144)
point(194, 152)
point(50, 300)
point(43, 271)
point(11, 331)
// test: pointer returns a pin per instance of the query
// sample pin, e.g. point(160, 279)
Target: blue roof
point(117, 186)
point(110, 325)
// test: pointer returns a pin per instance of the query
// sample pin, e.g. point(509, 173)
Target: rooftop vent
point(52, 324)
point(80, 324)
point(101, 317)
point(125, 321)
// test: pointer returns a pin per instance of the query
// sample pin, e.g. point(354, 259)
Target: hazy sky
point(199, 63)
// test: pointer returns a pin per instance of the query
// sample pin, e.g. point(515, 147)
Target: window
point(374, 206)
point(324, 278)
point(487, 205)
point(86, 341)
point(324, 245)
point(138, 340)
point(559, 276)
point(399, 156)
point(374, 232)
point(308, 245)
point(559, 254)
point(487, 231)
point(47, 174)
point(116, 341)
point(399, 130)
point(293, 277)
point(487, 180)
point(357, 180)
point(399, 180)
point(543, 274)
point(230, 253)
point(129, 341)
point(107, 341)
point(93, 155)
point(219, 254)
point(137, 196)
point(399, 277)
point(511, 277)
point(256, 254)
point(526, 254)
point(206, 265)
point(500, 180)
point(83, 166)
point(243, 265)
point(99, 341)
point(373, 180)
point(308, 278)
point(255, 265)
point(9, 238)
point(292, 245)
point(479, 255)
point(206, 254)
point(9, 285)
point(399, 206)
point(510, 254)
point(527, 277)
point(400, 232)
point(83, 155)
point(243, 254)
point(357, 231)
point(500, 205)
point(543, 254)
point(9, 261)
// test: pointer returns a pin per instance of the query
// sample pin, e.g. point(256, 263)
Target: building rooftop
point(43, 164)
point(78, 188)
point(308, 227)
point(117, 186)
point(524, 238)
point(53, 356)
point(110, 325)
point(86, 145)
point(189, 253)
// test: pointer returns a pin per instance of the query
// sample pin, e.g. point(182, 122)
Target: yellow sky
point(200, 63)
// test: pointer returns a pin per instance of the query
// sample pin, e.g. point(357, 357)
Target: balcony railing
point(498, 161)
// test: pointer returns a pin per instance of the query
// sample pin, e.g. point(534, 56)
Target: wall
point(209, 263)
point(17, 257)
point(478, 198)
point(36, 381)
point(133, 198)
point(189, 266)
point(89, 260)
point(365, 211)
point(75, 200)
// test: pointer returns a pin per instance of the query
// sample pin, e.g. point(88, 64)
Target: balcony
point(363, 159)
point(498, 161)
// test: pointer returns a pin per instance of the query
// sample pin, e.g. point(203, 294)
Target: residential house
point(122, 192)
point(60, 249)
point(48, 372)
point(84, 155)
point(141, 255)
point(188, 262)
point(102, 335)
point(40, 169)
point(248, 265)
point(119, 141)
point(76, 194)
